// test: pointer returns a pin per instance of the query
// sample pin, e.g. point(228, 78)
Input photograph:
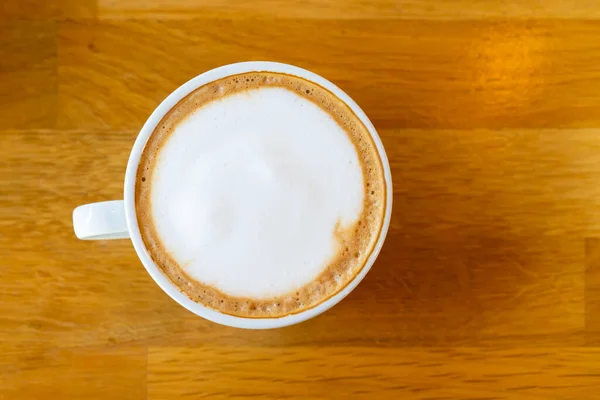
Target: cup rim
point(129, 196)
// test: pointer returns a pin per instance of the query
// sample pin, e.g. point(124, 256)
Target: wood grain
point(47, 10)
point(28, 68)
point(362, 373)
point(592, 292)
point(488, 286)
point(419, 74)
point(349, 9)
point(76, 373)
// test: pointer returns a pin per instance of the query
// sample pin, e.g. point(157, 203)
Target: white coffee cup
point(117, 219)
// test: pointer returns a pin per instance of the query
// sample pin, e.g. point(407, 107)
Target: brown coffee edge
point(366, 241)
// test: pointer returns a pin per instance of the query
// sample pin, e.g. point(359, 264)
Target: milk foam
point(248, 190)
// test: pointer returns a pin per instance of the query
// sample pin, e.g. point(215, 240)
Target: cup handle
point(101, 221)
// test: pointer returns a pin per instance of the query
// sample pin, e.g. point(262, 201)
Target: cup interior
point(129, 198)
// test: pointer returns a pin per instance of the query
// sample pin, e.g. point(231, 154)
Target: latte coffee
point(260, 195)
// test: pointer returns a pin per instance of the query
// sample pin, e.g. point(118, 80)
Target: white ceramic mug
point(117, 219)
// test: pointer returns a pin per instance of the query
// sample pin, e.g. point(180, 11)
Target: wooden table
point(488, 286)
